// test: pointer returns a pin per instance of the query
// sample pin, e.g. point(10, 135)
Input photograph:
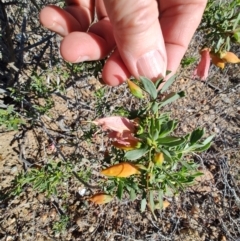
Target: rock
point(222, 238)
point(225, 99)
point(91, 229)
point(9, 238)
point(13, 170)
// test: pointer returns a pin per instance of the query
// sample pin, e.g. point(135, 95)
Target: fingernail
point(152, 65)
point(57, 28)
point(82, 59)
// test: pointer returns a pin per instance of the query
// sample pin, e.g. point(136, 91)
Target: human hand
point(143, 38)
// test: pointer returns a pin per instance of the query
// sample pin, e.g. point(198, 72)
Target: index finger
point(77, 16)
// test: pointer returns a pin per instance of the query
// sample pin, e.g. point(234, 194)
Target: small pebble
point(91, 229)
point(226, 99)
point(9, 238)
point(13, 169)
point(82, 191)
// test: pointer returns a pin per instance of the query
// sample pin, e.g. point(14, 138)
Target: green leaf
point(237, 37)
point(168, 84)
point(135, 154)
point(132, 194)
point(172, 97)
point(203, 148)
point(200, 146)
point(236, 23)
point(155, 107)
point(167, 128)
point(151, 201)
point(169, 190)
point(167, 155)
point(155, 135)
point(168, 72)
point(168, 139)
point(160, 198)
point(143, 204)
point(54, 190)
point(158, 83)
point(151, 127)
point(158, 123)
point(227, 43)
point(120, 190)
point(196, 136)
point(136, 113)
point(220, 42)
point(149, 87)
point(10, 109)
point(37, 184)
point(160, 178)
point(208, 140)
point(189, 166)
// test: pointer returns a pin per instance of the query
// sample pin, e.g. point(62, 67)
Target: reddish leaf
point(115, 123)
point(204, 64)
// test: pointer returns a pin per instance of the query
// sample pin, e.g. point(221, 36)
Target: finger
point(77, 16)
point(179, 19)
point(93, 45)
point(115, 72)
point(58, 20)
point(82, 10)
point(100, 9)
point(138, 36)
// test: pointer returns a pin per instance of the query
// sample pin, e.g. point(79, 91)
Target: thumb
point(138, 36)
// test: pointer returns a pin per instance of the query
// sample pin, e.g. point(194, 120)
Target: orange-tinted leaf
point(101, 198)
point(230, 57)
point(141, 167)
point(158, 158)
point(128, 145)
point(135, 89)
point(165, 204)
point(124, 169)
point(217, 61)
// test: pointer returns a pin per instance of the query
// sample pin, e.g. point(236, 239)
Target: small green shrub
point(10, 119)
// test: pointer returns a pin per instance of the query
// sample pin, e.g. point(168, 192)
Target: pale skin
point(141, 38)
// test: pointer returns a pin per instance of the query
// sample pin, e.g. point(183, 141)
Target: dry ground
point(207, 211)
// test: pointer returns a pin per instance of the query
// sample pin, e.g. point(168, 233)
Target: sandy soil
point(207, 211)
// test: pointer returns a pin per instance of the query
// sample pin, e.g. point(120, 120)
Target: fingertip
point(44, 16)
point(111, 79)
point(78, 47)
point(69, 47)
point(58, 20)
point(115, 72)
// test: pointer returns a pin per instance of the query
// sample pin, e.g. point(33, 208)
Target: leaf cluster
point(156, 132)
point(10, 119)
